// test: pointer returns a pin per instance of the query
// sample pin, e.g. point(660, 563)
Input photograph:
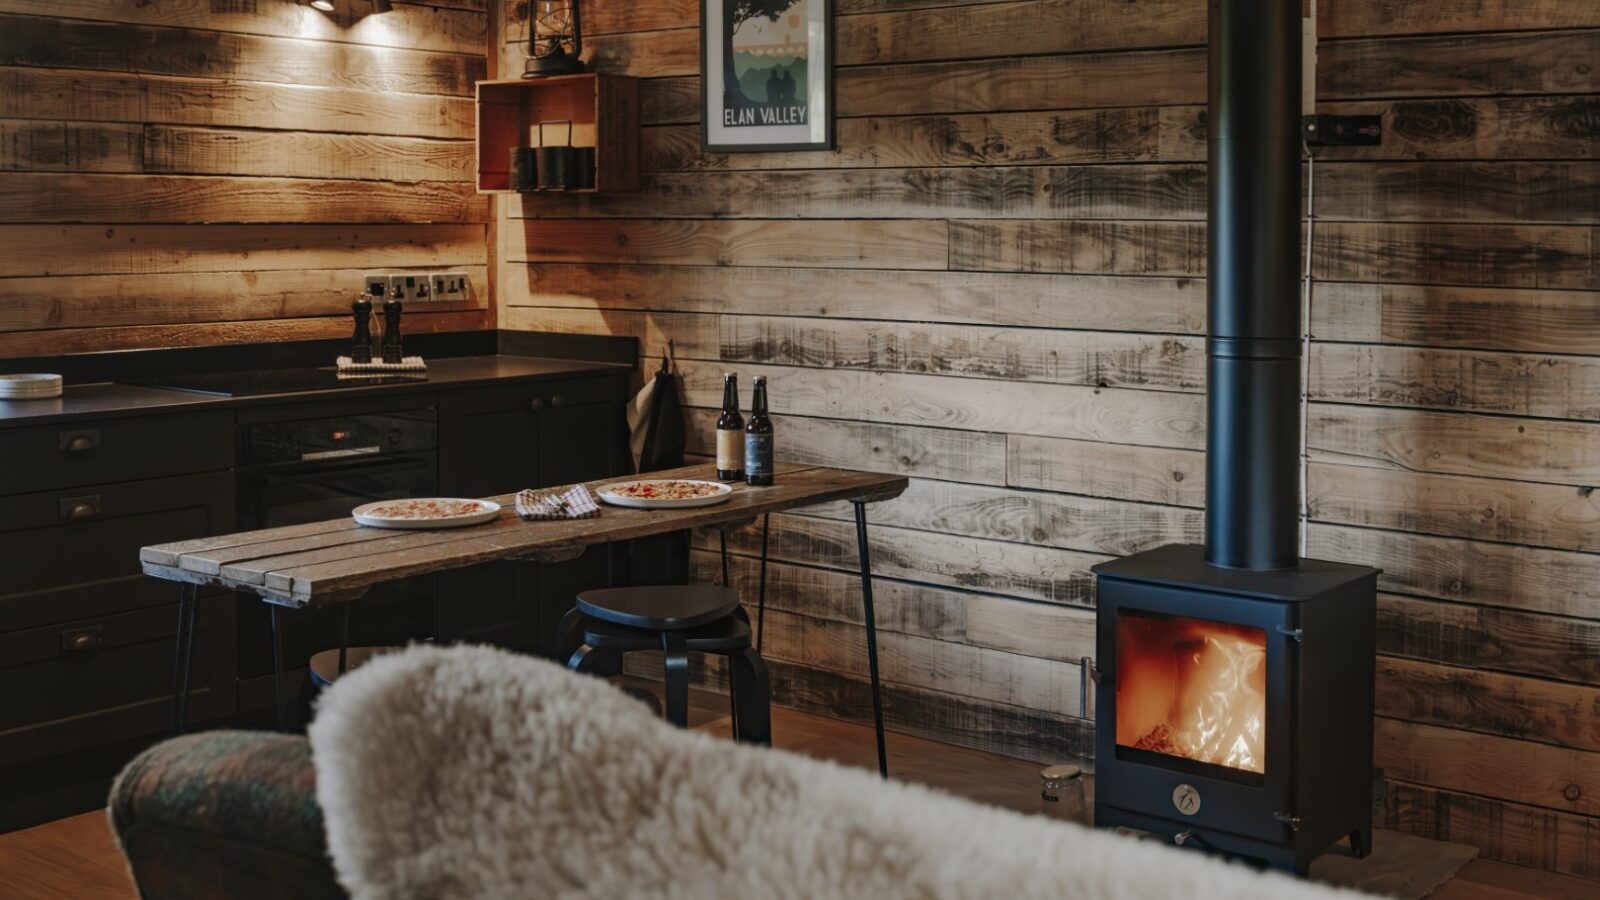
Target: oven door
point(317, 490)
point(1194, 710)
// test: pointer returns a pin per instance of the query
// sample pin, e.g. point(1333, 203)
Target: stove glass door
point(1192, 688)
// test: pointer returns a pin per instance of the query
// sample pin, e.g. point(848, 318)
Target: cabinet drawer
point(74, 536)
point(88, 453)
point(94, 681)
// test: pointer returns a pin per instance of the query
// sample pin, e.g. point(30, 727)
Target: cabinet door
point(489, 440)
point(500, 440)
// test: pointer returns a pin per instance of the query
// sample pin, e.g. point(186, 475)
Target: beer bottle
point(730, 432)
point(758, 439)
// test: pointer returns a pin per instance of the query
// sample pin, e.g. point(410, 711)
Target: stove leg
point(183, 657)
point(872, 633)
point(1361, 842)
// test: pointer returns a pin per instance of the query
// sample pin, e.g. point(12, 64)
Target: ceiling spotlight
point(324, 5)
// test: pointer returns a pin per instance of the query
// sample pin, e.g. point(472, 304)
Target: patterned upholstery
point(224, 814)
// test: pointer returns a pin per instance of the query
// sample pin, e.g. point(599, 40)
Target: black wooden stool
point(676, 619)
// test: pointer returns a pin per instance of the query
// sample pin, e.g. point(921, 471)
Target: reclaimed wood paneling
point(182, 173)
point(995, 286)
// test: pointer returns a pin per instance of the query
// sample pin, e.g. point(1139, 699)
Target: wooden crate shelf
point(603, 109)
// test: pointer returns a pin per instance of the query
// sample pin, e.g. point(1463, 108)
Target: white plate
point(485, 512)
point(721, 496)
point(28, 381)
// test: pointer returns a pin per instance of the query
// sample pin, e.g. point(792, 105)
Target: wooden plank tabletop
point(337, 560)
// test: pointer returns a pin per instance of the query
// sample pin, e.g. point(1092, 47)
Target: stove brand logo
point(1186, 799)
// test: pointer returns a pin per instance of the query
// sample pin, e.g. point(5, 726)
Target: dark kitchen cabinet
point(86, 641)
point(499, 440)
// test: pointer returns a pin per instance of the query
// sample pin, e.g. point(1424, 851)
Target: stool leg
point(569, 633)
point(585, 658)
point(749, 674)
point(675, 661)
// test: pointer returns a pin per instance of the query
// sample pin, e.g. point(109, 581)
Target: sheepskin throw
point(474, 773)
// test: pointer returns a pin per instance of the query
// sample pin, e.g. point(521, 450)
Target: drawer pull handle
point(77, 508)
point(80, 441)
point(80, 639)
point(555, 402)
point(536, 404)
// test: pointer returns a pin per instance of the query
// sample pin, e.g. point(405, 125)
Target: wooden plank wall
point(995, 286)
point(177, 173)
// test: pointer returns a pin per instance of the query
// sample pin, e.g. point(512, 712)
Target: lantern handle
point(567, 122)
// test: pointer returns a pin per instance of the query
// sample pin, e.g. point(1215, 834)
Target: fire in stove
point(1192, 688)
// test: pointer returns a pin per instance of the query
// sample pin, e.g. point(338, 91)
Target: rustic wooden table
point(337, 561)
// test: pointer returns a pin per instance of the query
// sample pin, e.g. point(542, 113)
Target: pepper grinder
point(361, 342)
point(393, 353)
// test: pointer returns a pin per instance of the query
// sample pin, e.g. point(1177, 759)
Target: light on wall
point(555, 38)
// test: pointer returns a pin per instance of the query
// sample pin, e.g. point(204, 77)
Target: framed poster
point(766, 74)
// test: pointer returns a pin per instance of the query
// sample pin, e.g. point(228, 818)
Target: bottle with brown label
point(758, 439)
point(730, 432)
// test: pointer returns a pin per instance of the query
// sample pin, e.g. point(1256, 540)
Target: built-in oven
point(313, 463)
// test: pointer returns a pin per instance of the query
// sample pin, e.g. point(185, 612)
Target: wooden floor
point(76, 858)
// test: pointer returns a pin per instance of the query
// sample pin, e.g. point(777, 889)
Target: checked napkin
point(576, 503)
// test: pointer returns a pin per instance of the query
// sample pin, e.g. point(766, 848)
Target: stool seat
point(728, 634)
point(325, 664)
point(673, 607)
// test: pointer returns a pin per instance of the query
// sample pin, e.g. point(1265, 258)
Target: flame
point(1191, 688)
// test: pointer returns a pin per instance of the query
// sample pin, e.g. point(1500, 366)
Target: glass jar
point(1061, 793)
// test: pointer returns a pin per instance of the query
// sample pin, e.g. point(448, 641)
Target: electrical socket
point(452, 287)
point(376, 284)
point(408, 287)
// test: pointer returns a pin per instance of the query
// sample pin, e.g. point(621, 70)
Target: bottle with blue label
point(758, 439)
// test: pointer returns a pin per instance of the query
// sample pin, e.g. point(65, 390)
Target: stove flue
point(1234, 709)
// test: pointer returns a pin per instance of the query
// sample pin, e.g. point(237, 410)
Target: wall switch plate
point(441, 286)
point(1342, 131)
point(376, 284)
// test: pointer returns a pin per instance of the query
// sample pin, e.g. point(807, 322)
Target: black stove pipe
point(1253, 309)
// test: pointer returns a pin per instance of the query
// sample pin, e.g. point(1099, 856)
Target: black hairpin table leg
point(722, 535)
point(344, 637)
point(188, 600)
point(872, 633)
point(761, 592)
point(277, 668)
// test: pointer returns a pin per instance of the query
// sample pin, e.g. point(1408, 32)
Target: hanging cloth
point(656, 432)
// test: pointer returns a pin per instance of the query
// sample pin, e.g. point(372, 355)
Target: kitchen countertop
point(107, 399)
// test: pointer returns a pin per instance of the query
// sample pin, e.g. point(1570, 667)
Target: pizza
point(425, 509)
point(665, 490)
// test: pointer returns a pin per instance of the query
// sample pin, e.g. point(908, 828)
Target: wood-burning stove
point(1234, 707)
point(1235, 698)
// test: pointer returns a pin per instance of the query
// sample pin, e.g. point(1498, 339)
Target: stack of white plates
point(29, 387)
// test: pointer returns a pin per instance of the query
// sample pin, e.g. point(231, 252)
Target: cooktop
point(271, 381)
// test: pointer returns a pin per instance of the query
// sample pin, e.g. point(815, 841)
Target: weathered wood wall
point(175, 172)
point(995, 286)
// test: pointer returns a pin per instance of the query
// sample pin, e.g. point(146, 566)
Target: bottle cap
point(1064, 772)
